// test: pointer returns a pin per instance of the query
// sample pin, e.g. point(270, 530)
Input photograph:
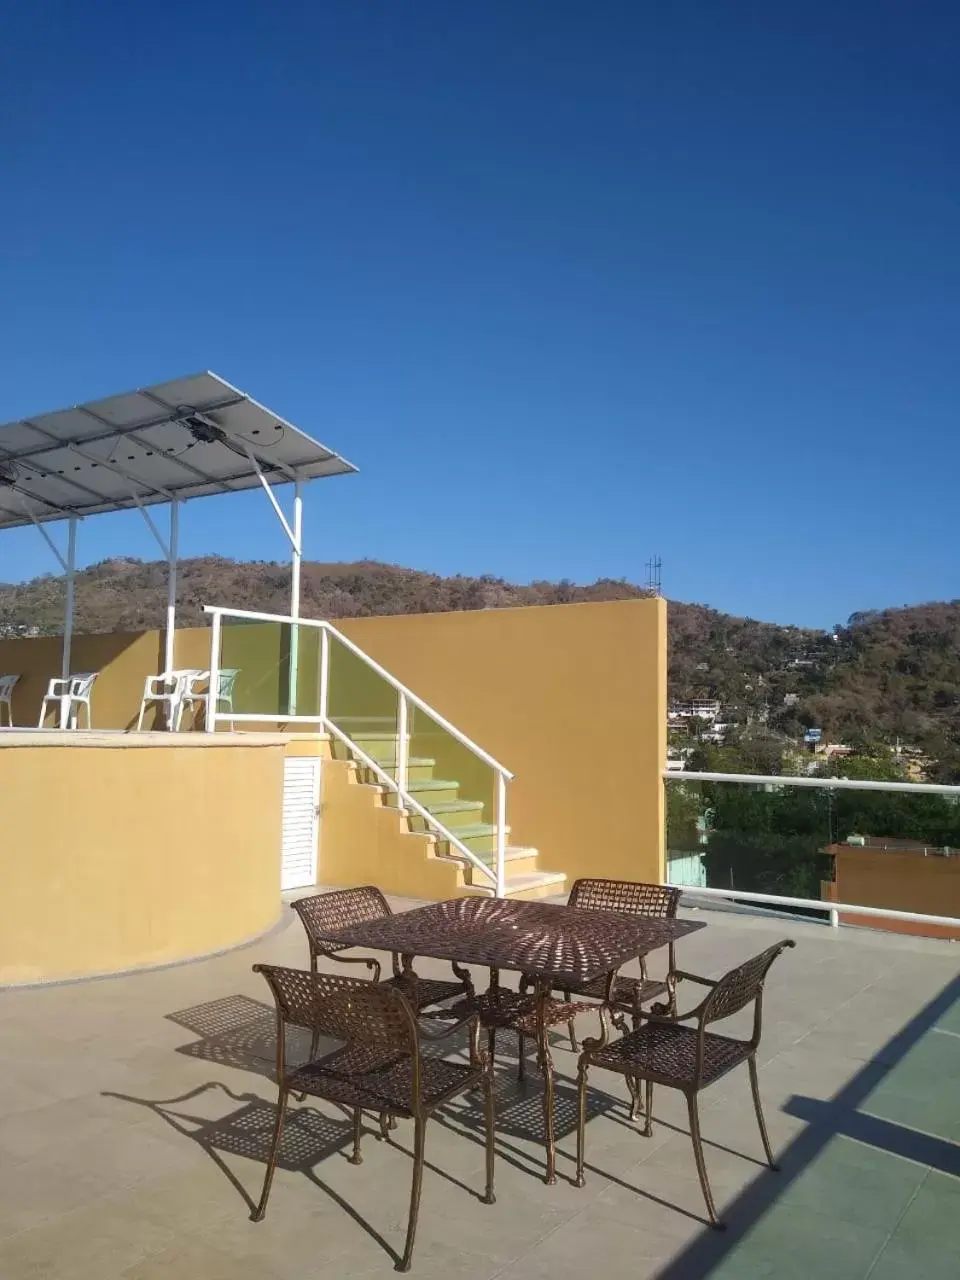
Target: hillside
point(895, 672)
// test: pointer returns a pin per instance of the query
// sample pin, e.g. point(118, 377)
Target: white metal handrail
point(405, 699)
point(801, 780)
point(826, 906)
point(321, 625)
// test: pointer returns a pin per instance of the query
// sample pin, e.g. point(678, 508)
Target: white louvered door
point(301, 810)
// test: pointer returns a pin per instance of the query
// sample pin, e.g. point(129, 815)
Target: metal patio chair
point(633, 898)
point(322, 912)
point(662, 1050)
point(7, 685)
point(381, 1066)
point(69, 696)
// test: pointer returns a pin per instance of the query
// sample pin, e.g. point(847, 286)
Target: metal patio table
point(550, 945)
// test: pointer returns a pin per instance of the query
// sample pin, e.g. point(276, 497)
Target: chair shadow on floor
point(309, 1137)
point(236, 1031)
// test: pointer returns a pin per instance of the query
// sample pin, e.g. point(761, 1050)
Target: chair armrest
point(448, 1029)
point(682, 975)
point(367, 960)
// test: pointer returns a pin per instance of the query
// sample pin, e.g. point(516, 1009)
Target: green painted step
point(479, 838)
point(429, 791)
point(379, 745)
point(452, 813)
point(419, 768)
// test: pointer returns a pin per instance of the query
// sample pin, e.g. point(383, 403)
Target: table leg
point(463, 975)
point(545, 1062)
point(408, 979)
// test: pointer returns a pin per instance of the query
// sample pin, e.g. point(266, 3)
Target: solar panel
point(189, 438)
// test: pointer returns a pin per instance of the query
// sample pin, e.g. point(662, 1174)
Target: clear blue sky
point(570, 282)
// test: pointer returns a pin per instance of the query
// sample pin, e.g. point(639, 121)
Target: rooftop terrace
point(135, 1114)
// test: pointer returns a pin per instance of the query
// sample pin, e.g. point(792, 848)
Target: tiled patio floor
point(135, 1112)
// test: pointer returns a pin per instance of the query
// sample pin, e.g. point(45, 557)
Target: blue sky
point(571, 283)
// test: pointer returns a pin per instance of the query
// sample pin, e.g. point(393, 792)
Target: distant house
point(900, 875)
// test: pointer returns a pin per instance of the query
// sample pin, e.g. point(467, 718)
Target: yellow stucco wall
point(362, 841)
point(572, 699)
point(135, 852)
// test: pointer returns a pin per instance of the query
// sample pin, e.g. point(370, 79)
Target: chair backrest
point(347, 1009)
point(324, 911)
point(742, 985)
point(81, 682)
point(228, 678)
point(6, 685)
point(632, 897)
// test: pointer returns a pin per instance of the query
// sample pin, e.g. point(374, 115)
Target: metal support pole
point(170, 636)
point(403, 744)
point(297, 544)
point(71, 567)
point(210, 718)
point(324, 675)
point(501, 833)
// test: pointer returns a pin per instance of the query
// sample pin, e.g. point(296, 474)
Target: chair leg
point(633, 1086)
point(701, 1163)
point(581, 1119)
point(571, 1028)
point(648, 1102)
point(755, 1088)
point(420, 1125)
point(521, 1059)
point(490, 1110)
point(356, 1157)
point(261, 1208)
point(492, 1044)
point(143, 707)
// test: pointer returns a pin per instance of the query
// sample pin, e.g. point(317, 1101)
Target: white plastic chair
point(69, 696)
point(228, 678)
point(168, 690)
point(6, 697)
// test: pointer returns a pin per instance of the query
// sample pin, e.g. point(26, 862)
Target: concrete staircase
point(468, 819)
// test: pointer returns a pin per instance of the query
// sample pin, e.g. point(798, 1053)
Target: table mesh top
point(537, 938)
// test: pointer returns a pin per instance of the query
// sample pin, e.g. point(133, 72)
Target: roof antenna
point(653, 584)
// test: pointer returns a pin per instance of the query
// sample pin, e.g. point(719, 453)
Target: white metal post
point(170, 636)
point(210, 718)
point(71, 566)
point(402, 751)
point(324, 674)
point(501, 833)
point(296, 543)
point(66, 652)
point(835, 919)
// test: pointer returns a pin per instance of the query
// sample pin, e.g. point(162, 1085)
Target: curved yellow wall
point(118, 854)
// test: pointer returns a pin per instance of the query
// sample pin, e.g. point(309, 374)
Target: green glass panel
point(363, 705)
point(277, 667)
point(463, 789)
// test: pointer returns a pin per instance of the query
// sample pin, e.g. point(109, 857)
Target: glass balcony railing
point(277, 667)
point(891, 849)
point(363, 705)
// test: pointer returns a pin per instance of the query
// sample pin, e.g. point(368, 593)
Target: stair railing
point(406, 700)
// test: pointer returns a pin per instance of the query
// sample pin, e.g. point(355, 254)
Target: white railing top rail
point(322, 625)
point(825, 905)
point(826, 784)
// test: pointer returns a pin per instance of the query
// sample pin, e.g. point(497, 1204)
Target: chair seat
point(366, 1076)
point(516, 1012)
point(626, 991)
point(668, 1054)
point(430, 990)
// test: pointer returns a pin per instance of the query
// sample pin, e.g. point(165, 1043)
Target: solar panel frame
point(133, 450)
